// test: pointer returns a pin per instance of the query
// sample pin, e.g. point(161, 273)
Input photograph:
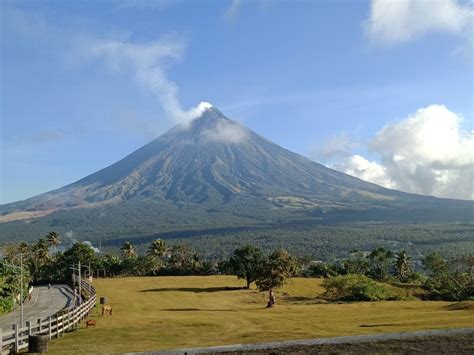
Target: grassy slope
point(173, 312)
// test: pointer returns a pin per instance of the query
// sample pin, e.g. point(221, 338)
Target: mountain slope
point(217, 165)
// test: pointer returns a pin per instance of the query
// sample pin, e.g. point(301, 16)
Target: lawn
point(151, 313)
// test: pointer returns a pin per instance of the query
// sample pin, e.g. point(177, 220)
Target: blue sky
point(343, 82)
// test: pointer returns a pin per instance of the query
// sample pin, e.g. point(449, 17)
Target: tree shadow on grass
point(304, 300)
point(209, 310)
point(379, 325)
point(193, 289)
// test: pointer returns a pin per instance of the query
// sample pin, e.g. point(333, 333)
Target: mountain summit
point(214, 165)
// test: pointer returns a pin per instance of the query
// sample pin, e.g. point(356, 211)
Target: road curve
point(44, 303)
point(308, 342)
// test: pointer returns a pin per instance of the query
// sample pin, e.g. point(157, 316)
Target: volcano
point(215, 173)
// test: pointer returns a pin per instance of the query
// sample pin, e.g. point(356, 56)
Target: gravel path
point(309, 344)
point(44, 302)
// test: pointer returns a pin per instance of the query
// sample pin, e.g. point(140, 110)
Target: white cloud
point(364, 169)
point(396, 21)
point(226, 131)
point(427, 153)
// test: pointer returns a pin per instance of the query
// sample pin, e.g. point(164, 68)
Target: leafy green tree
point(434, 264)
point(379, 263)
point(402, 265)
point(322, 270)
point(246, 263)
point(112, 265)
point(357, 263)
point(279, 267)
point(81, 252)
point(10, 286)
point(450, 281)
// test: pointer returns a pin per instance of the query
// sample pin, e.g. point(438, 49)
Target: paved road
point(308, 342)
point(44, 302)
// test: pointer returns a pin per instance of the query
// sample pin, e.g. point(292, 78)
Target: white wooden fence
point(55, 326)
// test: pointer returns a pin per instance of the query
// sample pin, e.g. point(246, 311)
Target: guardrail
point(54, 326)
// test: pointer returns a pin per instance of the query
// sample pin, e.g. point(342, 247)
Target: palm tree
point(156, 253)
point(52, 239)
point(402, 265)
point(41, 251)
point(157, 249)
point(128, 250)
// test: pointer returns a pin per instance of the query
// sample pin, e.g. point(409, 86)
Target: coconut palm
point(24, 248)
point(156, 255)
point(128, 250)
point(41, 251)
point(52, 240)
point(157, 249)
point(402, 265)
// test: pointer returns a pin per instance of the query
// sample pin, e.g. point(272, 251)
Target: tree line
point(357, 277)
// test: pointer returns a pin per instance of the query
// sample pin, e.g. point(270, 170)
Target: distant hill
point(214, 175)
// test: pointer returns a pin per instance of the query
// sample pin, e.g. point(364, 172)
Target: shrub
point(449, 281)
point(356, 288)
point(322, 270)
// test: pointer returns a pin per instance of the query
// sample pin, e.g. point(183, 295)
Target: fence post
point(39, 326)
point(16, 344)
point(49, 327)
point(28, 325)
point(63, 321)
point(57, 326)
point(75, 321)
point(1, 340)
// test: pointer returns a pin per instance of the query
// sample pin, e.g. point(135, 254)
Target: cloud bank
point(426, 153)
point(395, 21)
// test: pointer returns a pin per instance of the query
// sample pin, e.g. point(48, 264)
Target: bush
point(356, 288)
point(455, 286)
point(451, 280)
point(322, 270)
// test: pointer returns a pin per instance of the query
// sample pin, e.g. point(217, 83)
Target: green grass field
point(151, 313)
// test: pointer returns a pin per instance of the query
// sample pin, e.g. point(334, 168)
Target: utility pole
point(21, 290)
point(73, 275)
point(80, 283)
point(77, 279)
